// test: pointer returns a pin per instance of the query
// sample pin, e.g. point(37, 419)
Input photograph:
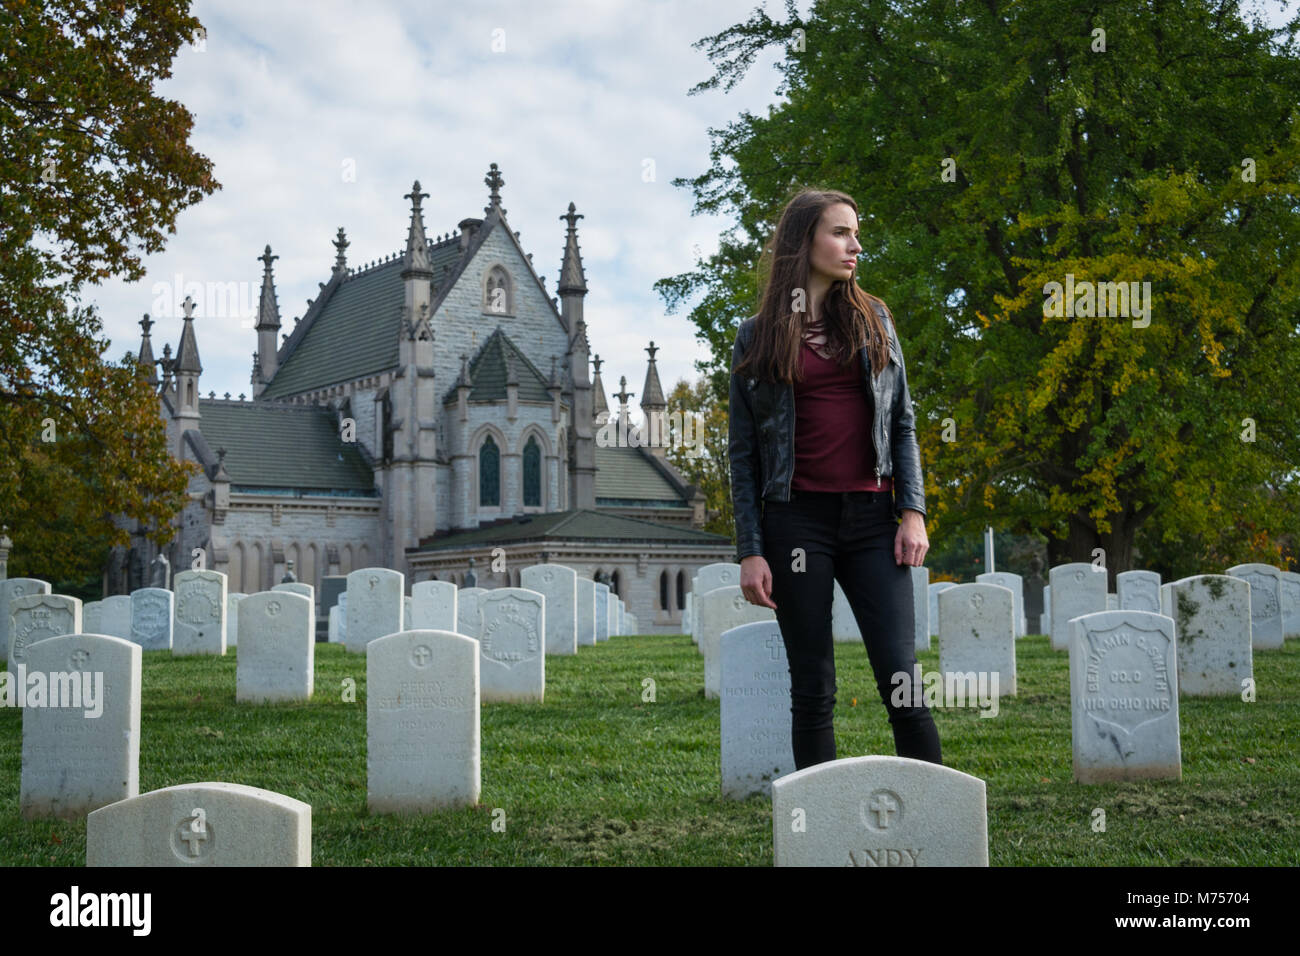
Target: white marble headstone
point(152, 614)
point(1077, 588)
point(755, 709)
point(921, 606)
point(433, 606)
point(1290, 585)
point(1124, 697)
point(1016, 585)
point(1212, 625)
point(602, 612)
point(232, 618)
point(201, 824)
point(35, 617)
point(1138, 591)
point(83, 753)
point(15, 588)
point(1265, 603)
point(720, 610)
point(976, 635)
point(374, 607)
point(200, 626)
point(467, 616)
point(277, 648)
point(879, 811)
point(114, 617)
point(844, 626)
point(586, 612)
point(422, 722)
point(559, 585)
point(512, 643)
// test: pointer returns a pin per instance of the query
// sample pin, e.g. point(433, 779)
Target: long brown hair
point(847, 313)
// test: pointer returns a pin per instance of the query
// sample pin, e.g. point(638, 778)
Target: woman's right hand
point(756, 581)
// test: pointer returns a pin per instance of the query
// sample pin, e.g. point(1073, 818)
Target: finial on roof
point(494, 182)
point(341, 251)
point(572, 278)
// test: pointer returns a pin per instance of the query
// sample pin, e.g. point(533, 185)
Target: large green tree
point(995, 148)
point(94, 169)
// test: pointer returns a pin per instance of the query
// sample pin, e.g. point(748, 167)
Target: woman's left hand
point(911, 543)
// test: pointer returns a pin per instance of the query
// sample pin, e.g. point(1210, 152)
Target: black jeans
point(846, 537)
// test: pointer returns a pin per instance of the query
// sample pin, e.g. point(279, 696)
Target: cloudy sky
point(321, 115)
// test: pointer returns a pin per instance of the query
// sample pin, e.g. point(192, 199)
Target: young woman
point(822, 441)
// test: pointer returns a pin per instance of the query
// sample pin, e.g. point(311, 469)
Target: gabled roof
point(576, 525)
point(282, 445)
point(489, 371)
point(626, 474)
point(352, 331)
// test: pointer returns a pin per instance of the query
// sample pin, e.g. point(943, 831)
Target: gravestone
point(512, 664)
point(1123, 697)
point(921, 606)
point(406, 612)
point(374, 606)
point(81, 743)
point(622, 615)
point(433, 606)
point(277, 648)
point(114, 617)
point(559, 585)
point(467, 616)
point(1047, 609)
point(1077, 588)
point(720, 610)
point(755, 709)
point(1016, 585)
point(232, 618)
point(1290, 584)
point(879, 811)
point(844, 626)
point(720, 574)
point(1265, 603)
point(935, 590)
point(299, 587)
point(11, 588)
point(1212, 625)
point(586, 612)
point(1138, 591)
point(92, 617)
point(422, 722)
point(976, 635)
point(35, 617)
point(200, 626)
point(602, 612)
point(612, 608)
point(339, 615)
point(151, 618)
point(201, 824)
point(686, 614)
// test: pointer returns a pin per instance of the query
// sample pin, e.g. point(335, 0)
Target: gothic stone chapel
point(428, 408)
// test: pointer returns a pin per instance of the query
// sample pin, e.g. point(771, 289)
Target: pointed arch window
point(532, 473)
point(489, 474)
point(663, 590)
point(498, 293)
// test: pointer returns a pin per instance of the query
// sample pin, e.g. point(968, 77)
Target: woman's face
point(835, 245)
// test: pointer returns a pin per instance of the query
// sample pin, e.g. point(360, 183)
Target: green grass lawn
point(596, 776)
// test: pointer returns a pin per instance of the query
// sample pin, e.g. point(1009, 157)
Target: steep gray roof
point(489, 369)
point(284, 446)
point(354, 330)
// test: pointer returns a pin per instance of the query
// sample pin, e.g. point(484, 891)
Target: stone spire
point(623, 395)
point(416, 261)
point(146, 361)
point(187, 353)
point(494, 182)
point(598, 402)
point(653, 406)
point(341, 252)
point(572, 277)
point(268, 325)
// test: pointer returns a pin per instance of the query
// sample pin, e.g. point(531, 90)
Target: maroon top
point(833, 447)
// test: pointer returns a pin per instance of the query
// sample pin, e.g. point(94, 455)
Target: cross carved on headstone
point(882, 808)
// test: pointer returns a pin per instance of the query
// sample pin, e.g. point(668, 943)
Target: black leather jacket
point(761, 433)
